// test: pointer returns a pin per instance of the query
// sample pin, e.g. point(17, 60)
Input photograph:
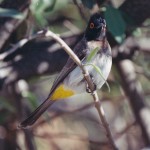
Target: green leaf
point(100, 73)
point(115, 23)
point(11, 13)
point(92, 54)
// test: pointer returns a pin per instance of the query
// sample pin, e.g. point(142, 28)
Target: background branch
point(8, 25)
point(135, 94)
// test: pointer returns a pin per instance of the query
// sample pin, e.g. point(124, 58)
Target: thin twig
point(88, 79)
point(21, 43)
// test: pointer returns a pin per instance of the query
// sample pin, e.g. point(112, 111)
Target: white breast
point(75, 79)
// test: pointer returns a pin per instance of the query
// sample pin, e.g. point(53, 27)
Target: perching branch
point(88, 79)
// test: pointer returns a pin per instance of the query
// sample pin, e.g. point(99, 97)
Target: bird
point(70, 80)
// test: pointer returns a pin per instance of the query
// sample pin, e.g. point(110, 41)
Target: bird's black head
point(96, 28)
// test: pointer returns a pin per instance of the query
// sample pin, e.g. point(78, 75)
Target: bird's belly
point(104, 63)
point(76, 82)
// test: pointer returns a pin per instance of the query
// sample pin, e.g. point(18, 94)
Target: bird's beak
point(102, 25)
point(103, 31)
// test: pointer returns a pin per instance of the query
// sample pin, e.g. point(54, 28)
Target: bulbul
point(70, 81)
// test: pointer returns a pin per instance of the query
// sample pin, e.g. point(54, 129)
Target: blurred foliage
point(11, 13)
point(32, 99)
point(6, 105)
point(48, 13)
point(5, 108)
point(40, 8)
point(89, 4)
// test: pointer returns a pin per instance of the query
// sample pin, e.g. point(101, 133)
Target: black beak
point(102, 25)
point(103, 31)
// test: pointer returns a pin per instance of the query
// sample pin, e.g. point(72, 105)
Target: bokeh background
point(29, 65)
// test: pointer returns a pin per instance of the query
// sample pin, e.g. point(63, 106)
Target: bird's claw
point(88, 90)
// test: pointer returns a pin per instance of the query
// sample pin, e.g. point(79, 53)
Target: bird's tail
point(36, 114)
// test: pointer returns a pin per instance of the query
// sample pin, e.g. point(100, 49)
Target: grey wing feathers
point(70, 65)
point(36, 114)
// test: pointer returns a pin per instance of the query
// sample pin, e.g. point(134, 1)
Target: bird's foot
point(88, 90)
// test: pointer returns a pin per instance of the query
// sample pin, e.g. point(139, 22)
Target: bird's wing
point(70, 65)
point(80, 51)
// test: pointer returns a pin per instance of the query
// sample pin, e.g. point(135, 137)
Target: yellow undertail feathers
point(62, 92)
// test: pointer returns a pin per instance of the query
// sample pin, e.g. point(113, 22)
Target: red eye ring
point(91, 25)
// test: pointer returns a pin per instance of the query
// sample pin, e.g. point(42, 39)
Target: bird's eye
point(91, 25)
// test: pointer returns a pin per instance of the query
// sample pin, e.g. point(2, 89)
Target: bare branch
point(18, 45)
point(88, 79)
